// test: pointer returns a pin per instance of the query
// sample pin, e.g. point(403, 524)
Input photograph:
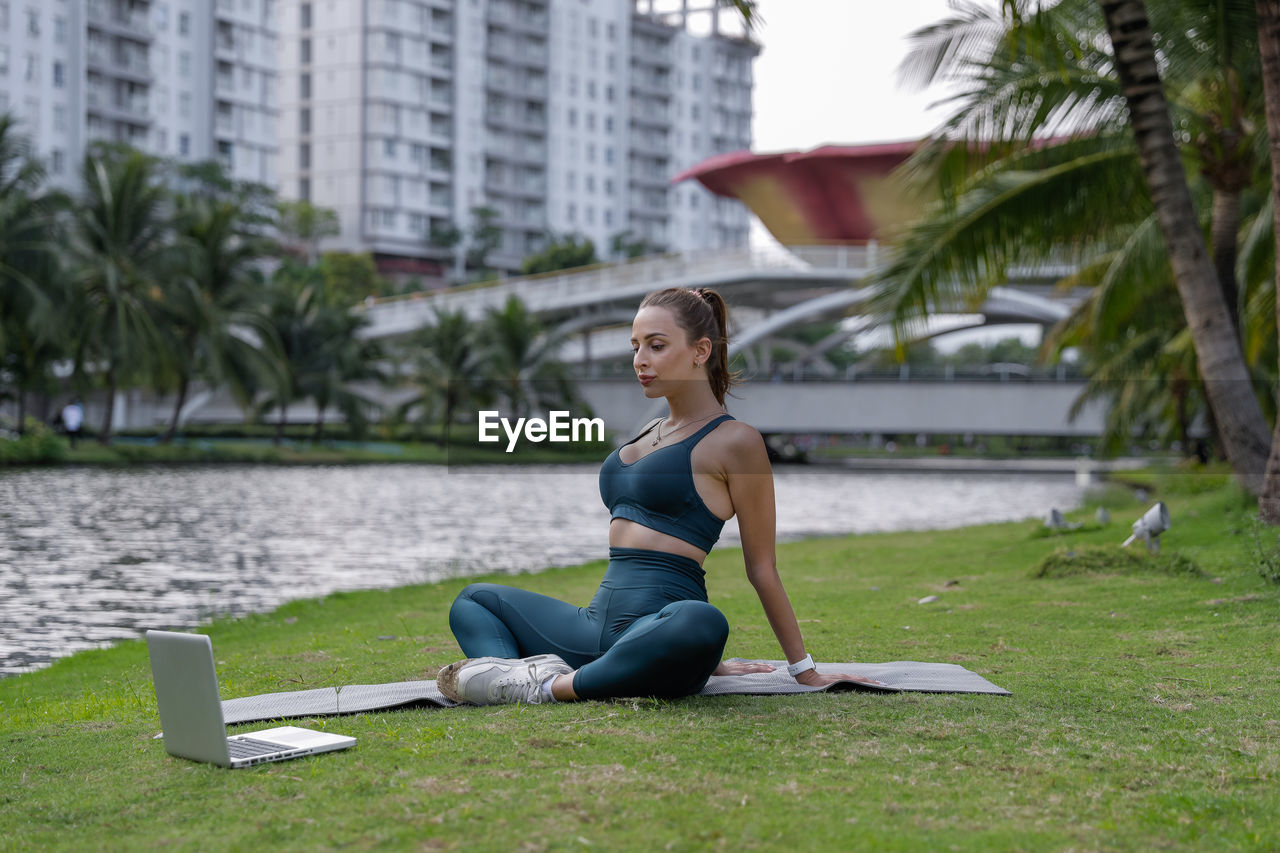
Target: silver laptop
point(191, 712)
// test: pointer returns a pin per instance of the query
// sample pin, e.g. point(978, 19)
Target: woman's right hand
point(742, 667)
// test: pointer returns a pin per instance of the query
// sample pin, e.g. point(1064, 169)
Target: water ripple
point(92, 556)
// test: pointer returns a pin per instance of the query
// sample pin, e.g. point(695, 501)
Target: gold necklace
point(654, 443)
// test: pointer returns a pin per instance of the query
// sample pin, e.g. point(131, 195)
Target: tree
point(32, 288)
point(322, 352)
point(566, 252)
point(447, 367)
point(303, 225)
point(1038, 163)
point(217, 323)
point(484, 237)
point(121, 247)
point(1221, 362)
point(349, 277)
point(521, 360)
point(1269, 48)
point(625, 244)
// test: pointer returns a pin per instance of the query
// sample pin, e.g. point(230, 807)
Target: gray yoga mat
point(906, 675)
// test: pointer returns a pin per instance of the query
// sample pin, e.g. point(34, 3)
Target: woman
point(649, 631)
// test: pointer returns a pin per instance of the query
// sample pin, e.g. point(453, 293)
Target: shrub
point(38, 445)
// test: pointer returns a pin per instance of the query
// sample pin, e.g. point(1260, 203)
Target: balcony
point(118, 19)
point(132, 109)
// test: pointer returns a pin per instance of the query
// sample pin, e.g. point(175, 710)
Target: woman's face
point(663, 357)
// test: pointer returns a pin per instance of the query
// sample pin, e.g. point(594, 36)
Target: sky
point(828, 73)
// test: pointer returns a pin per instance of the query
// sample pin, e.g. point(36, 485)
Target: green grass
point(1145, 715)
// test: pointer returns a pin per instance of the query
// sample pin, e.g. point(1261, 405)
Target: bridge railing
point(574, 287)
point(854, 373)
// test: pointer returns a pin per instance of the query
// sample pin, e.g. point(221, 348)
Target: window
point(573, 117)
point(59, 117)
point(389, 147)
point(33, 22)
point(33, 68)
point(304, 85)
point(304, 16)
point(304, 120)
point(60, 30)
point(184, 143)
point(608, 126)
point(59, 75)
point(304, 189)
point(4, 14)
point(57, 162)
point(184, 63)
point(162, 16)
point(304, 52)
point(304, 156)
point(4, 59)
point(184, 23)
point(184, 105)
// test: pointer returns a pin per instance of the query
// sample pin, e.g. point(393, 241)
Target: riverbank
point(1143, 714)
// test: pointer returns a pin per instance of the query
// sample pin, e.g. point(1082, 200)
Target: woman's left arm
point(750, 480)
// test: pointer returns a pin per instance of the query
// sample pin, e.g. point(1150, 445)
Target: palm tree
point(321, 353)
point(121, 247)
point(218, 318)
point(1045, 167)
point(31, 286)
point(1269, 49)
point(521, 360)
point(446, 367)
point(1222, 366)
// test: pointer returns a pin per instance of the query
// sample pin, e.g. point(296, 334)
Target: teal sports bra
point(657, 490)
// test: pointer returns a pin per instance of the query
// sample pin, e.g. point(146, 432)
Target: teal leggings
point(648, 631)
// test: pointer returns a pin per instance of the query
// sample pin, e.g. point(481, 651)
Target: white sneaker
point(495, 681)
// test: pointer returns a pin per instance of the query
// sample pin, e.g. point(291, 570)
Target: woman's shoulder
point(739, 438)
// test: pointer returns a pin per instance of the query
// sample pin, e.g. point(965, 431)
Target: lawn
point(1145, 714)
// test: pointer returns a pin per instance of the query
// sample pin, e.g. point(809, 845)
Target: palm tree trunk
point(1222, 367)
point(104, 438)
point(183, 385)
point(22, 413)
point(1224, 232)
point(1269, 48)
point(319, 422)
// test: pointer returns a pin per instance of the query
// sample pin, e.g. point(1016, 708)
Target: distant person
point(649, 630)
point(72, 420)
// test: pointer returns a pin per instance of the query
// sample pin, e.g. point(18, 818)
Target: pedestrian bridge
point(769, 290)
point(1015, 407)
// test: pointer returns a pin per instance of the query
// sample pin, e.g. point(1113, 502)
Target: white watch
point(803, 665)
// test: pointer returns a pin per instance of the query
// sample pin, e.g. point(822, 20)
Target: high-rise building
point(407, 117)
point(555, 116)
point(188, 79)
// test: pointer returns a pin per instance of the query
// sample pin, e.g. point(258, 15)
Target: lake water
point(91, 556)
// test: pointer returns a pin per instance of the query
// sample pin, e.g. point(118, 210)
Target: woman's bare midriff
point(624, 533)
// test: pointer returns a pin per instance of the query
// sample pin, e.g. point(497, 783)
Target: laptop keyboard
point(249, 748)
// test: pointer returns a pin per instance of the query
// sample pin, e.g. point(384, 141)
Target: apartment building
point(405, 116)
point(560, 116)
point(187, 79)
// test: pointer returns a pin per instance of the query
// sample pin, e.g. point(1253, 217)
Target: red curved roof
point(834, 193)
